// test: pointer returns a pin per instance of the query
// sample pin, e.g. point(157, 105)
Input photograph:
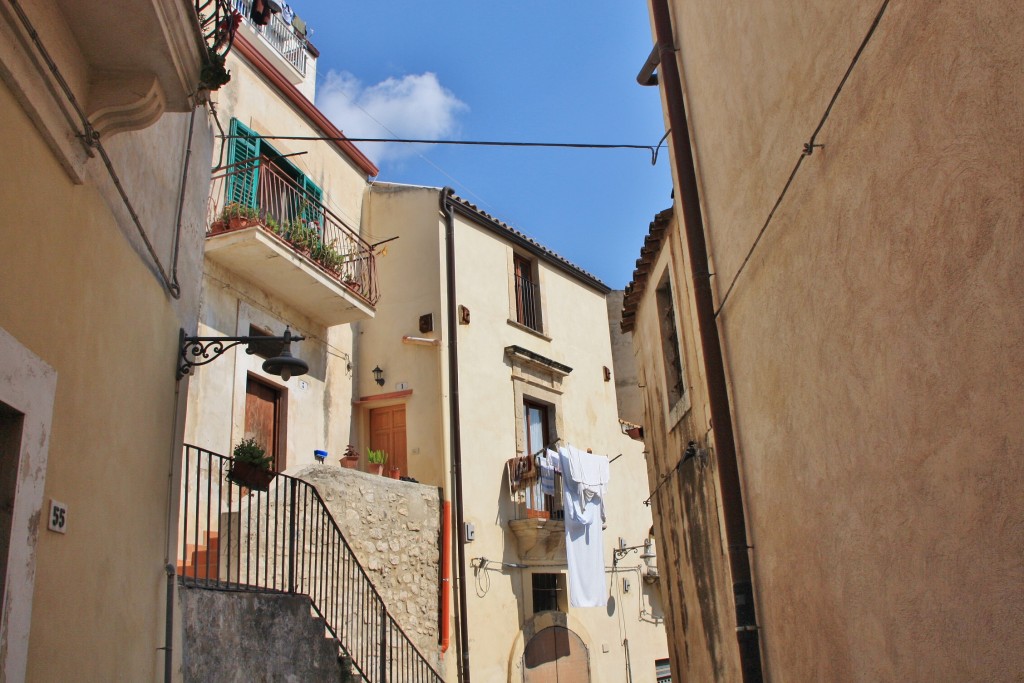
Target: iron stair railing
point(285, 540)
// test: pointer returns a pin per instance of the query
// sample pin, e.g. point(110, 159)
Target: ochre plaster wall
point(687, 517)
point(81, 294)
point(873, 341)
point(576, 333)
point(411, 279)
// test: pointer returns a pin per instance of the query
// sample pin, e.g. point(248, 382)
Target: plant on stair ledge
point(376, 460)
point(251, 466)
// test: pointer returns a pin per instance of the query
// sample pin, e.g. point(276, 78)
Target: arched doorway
point(556, 655)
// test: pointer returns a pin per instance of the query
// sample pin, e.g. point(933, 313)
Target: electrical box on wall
point(470, 532)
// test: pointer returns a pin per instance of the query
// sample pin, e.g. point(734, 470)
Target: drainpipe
point(747, 633)
point(461, 627)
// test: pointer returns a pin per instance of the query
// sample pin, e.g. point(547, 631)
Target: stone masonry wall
point(394, 529)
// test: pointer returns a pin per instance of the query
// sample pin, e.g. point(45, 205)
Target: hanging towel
point(521, 473)
point(547, 472)
point(584, 545)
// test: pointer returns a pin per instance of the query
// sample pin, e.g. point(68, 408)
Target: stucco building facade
point(295, 259)
point(829, 314)
point(106, 144)
point(491, 346)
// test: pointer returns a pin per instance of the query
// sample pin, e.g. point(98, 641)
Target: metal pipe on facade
point(461, 628)
point(747, 633)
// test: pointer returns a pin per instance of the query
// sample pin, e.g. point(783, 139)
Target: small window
point(674, 380)
point(527, 293)
point(548, 592)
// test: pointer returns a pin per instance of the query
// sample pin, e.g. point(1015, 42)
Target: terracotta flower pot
point(350, 462)
point(375, 468)
point(394, 472)
point(250, 476)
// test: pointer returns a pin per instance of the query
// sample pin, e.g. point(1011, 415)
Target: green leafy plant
point(236, 210)
point(250, 451)
point(376, 457)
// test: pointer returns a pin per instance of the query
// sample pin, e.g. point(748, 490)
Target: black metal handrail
point(285, 540)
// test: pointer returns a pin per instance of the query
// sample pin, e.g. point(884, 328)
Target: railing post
point(383, 643)
point(291, 536)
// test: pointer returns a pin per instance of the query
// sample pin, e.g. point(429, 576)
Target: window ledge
point(524, 328)
point(680, 409)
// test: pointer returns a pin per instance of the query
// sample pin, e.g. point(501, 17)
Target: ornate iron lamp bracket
point(195, 351)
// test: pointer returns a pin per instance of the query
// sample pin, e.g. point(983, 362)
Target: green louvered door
point(313, 197)
point(243, 153)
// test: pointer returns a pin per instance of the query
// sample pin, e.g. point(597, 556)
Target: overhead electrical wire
point(653, 149)
point(808, 150)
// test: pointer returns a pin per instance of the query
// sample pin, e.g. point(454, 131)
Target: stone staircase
point(201, 561)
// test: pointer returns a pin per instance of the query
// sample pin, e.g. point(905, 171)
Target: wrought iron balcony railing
point(284, 539)
point(280, 35)
point(274, 201)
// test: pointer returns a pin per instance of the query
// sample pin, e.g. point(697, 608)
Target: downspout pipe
point(747, 633)
point(461, 627)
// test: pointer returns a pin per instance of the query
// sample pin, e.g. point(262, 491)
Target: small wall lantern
point(378, 376)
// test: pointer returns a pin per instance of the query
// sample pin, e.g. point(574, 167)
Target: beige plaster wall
point(260, 106)
point(576, 333)
point(411, 279)
point(318, 405)
point(624, 369)
point(83, 296)
point(873, 342)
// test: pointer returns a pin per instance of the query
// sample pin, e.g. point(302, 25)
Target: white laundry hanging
point(584, 484)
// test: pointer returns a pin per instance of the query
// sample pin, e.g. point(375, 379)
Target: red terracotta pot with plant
point(350, 460)
point(375, 461)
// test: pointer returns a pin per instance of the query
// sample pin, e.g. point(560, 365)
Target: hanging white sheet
point(584, 484)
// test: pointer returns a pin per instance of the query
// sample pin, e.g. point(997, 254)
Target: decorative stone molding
point(539, 540)
point(120, 102)
point(536, 369)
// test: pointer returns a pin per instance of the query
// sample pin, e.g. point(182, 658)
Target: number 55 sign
point(58, 517)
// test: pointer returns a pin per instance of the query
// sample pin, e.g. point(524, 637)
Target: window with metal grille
point(527, 293)
point(548, 591)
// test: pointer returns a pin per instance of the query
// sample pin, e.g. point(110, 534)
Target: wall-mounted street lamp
point(647, 555)
point(202, 350)
point(378, 376)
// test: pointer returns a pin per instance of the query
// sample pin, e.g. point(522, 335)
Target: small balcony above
point(539, 526)
point(280, 237)
point(279, 41)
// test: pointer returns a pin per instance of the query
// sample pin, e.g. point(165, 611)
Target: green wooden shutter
point(311, 209)
point(242, 181)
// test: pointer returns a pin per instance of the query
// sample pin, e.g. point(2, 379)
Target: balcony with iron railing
point(538, 522)
point(281, 237)
point(284, 539)
point(288, 45)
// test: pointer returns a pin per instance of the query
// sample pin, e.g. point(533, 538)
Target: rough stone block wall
point(243, 637)
point(394, 529)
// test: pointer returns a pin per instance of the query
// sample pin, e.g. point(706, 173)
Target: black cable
point(808, 150)
point(485, 143)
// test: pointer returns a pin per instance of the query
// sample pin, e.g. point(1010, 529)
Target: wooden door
point(556, 655)
point(387, 432)
point(263, 417)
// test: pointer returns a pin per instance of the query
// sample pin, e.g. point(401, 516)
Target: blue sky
point(526, 71)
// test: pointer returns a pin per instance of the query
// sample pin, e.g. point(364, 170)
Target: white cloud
point(413, 106)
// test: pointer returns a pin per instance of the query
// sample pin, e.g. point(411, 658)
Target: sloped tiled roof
point(528, 243)
point(648, 253)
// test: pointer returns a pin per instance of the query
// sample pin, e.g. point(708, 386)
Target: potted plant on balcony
point(376, 460)
point(234, 216)
point(250, 466)
point(351, 458)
